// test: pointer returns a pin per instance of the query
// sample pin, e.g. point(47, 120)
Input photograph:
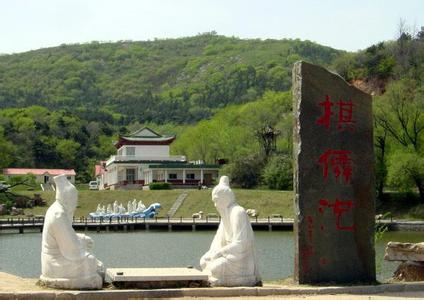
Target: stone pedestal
point(333, 180)
point(156, 278)
point(83, 283)
point(412, 257)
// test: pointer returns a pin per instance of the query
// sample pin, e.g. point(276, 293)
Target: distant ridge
point(172, 80)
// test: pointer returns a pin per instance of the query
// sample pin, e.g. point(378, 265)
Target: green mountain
point(174, 80)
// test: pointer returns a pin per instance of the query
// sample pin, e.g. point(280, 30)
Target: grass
point(266, 202)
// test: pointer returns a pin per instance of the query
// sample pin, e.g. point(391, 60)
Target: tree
point(67, 150)
point(400, 114)
point(7, 150)
point(406, 170)
point(278, 172)
point(245, 172)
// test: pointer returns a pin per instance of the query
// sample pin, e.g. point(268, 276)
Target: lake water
point(20, 253)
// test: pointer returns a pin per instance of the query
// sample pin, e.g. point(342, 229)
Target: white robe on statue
point(231, 259)
point(65, 259)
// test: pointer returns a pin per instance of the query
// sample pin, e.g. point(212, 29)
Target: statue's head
point(222, 195)
point(66, 193)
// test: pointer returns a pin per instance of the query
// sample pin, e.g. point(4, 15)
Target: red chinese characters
point(338, 161)
point(308, 251)
point(344, 114)
point(339, 207)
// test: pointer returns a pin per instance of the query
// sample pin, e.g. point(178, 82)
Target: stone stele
point(66, 262)
point(231, 259)
point(333, 180)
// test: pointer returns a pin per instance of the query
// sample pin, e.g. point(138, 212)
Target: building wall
point(160, 174)
point(146, 150)
point(40, 178)
point(116, 173)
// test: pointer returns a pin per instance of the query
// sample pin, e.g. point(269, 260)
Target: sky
point(342, 24)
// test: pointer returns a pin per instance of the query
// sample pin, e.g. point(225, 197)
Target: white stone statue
point(140, 207)
point(109, 209)
point(99, 208)
point(115, 207)
point(121, 209)
point(134, 205)
point(129, 207)
point(66, 262)
point(231, 259)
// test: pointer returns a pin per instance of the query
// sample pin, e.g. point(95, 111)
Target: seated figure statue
point(231, 259)
point(66, 262)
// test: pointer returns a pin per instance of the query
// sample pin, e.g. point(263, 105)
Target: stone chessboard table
point(155, 278)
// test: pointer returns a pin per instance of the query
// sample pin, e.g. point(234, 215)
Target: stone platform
point(156, 278)
point(14, 287)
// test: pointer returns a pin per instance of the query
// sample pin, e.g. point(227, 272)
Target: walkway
point(177, 204)
point(14, 287)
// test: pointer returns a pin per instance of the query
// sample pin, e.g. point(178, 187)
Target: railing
point(36, 221)
point(175, 158)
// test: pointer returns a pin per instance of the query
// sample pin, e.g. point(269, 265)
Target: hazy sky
point(342, 24)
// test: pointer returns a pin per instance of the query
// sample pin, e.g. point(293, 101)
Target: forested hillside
point(63, 106)
point(173, 80)
point(394, 72)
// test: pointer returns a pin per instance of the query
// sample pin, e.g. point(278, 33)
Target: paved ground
point(384, 296)
point(10, 284)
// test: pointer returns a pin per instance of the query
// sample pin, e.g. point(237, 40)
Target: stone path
point(177, 204)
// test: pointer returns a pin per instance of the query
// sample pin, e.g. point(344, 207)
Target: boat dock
point(22, 225)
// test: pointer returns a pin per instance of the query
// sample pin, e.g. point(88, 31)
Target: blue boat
point(149, 212)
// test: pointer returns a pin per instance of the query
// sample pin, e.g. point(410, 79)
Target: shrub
point(245, 172)
point(278, 173)
point(159, 186)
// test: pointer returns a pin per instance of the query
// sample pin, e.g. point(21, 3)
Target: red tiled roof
point(20, 171)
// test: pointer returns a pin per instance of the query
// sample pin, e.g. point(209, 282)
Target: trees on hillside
point(400, 115)
point(233, 134)
point(36, 137)
point(173, 80)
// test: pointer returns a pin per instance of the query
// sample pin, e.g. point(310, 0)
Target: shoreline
point(22, 225)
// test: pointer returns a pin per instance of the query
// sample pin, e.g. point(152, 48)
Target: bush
point(278, 173)
point(159, 186)
point(245, 172)
point(27, 180)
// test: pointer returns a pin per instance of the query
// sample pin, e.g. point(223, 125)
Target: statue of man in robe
point(66, 261)
point(231, 259)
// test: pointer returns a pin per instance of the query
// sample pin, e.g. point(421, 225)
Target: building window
point(190, 176)
point(130, 151)
point(69, 177)
point(120, 151)
point(172, 176)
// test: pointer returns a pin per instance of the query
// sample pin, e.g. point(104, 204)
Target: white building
point(143, 157)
